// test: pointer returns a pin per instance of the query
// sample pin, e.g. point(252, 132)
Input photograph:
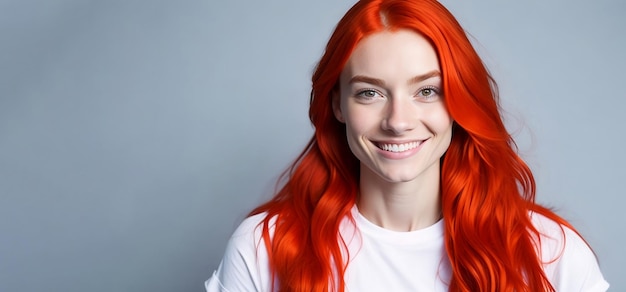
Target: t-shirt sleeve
point(569, 262)
point(578, 269)
point(244, 265)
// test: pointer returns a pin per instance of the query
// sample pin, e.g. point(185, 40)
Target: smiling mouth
point(398, 147)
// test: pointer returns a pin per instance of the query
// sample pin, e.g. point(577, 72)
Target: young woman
point(411, 181)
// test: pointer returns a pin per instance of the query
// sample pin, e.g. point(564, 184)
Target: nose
point(399, 117)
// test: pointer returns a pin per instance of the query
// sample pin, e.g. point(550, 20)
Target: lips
point(398, 147)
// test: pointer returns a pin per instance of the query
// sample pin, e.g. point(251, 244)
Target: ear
point(336, 102)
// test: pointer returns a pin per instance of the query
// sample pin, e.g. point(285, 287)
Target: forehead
point(387, 54)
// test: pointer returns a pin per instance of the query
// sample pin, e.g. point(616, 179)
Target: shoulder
point(568, 261)
point(557, 240)
point(245, 265)
point(247, 238)
point(250, 227)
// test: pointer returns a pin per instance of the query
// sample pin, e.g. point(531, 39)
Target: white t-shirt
point(385, 260)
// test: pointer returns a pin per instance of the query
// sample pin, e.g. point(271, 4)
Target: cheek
point(444, 131)
point(441, 121)
point(359, 122)
point(354, 134)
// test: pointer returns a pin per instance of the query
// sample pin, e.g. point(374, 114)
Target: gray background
point(135, 135)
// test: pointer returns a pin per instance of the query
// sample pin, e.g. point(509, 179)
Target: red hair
point(487, 190)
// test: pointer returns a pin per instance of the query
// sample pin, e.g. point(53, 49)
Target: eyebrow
point(381, 83)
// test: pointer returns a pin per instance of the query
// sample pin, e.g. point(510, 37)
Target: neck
point(401, 206)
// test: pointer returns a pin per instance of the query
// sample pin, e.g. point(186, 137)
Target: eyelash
point(436, 91)
point(361, 93)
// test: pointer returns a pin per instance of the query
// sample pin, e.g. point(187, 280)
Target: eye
point(429, 93)
point(368, 94)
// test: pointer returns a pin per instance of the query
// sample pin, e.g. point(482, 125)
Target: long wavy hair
point(487, 190)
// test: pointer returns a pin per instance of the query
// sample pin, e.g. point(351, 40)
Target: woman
point(411, 181)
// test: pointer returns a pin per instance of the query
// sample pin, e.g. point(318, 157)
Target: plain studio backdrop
point(135, 135)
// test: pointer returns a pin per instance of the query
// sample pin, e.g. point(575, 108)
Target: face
point(391, 102)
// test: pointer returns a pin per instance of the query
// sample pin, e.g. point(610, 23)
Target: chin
point(399, 178)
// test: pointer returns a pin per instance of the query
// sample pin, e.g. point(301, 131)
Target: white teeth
point(399, 147)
